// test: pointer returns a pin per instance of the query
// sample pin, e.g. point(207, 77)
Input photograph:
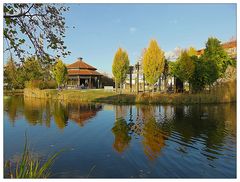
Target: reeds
point(28, 167)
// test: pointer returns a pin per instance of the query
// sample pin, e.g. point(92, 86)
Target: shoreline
point(225, 93)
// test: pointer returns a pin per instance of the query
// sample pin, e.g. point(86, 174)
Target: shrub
point(40, 84)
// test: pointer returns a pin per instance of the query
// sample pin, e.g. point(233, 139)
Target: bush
point(40, 84)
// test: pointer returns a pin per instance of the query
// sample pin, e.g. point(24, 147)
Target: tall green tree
point(184, 67)
point(153, 63)
point(60, 72)
point(199, 76)
point(216, 60)
point(120, 66)
point(38, 27)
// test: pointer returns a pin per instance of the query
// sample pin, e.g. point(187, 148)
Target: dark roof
point(79, 64)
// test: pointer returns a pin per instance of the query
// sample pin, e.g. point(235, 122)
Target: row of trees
point(199, 72)
point(32, 74)
point(202, 71)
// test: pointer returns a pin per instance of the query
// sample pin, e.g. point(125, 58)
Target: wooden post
point(131, 69)
point(137, 66)
point(90, 82)
point(159, 84)
point(143, 83)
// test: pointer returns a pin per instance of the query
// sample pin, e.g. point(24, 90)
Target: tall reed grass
point(28, 167)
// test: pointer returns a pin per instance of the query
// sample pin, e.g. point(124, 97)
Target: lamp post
point(130, 71)
point(137, 68)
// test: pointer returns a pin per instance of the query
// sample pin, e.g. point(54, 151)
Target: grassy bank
point(219, 94)
point(13, 92)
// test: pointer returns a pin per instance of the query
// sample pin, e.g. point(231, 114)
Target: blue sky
point(100, 29)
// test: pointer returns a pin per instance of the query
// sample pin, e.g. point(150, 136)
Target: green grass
point(28, 167)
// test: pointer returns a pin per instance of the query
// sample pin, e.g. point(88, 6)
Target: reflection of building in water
point(165, 113)
point(81, 113)
point(108, 107)
point(121, 111)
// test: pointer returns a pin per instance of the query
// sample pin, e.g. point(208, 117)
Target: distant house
point(230, 47)
point(83, 75)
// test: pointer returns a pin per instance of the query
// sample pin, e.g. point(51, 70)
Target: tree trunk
point(165, 83)
point(116, 86)
point(120, 87)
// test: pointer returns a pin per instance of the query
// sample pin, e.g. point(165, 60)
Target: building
point(83, 75)
point(230, 47)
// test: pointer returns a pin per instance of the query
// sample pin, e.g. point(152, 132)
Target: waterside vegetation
point(223, 93)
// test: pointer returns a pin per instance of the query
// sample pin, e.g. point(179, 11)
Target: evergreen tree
point(120, 66)
point(153, 63)
point(10, 74)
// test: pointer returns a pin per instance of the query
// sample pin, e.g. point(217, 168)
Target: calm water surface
point(124, 141)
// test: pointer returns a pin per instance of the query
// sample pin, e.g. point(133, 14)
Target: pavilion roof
point(80, 64)
point(83, 72)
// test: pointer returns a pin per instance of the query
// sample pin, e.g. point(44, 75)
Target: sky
point(100, 29)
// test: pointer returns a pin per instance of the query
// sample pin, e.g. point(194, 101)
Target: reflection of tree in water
point(207, 122)
point(147, 126)
point(153, 138)
point(12, 104)
point(60, 115)
point(33, 110)
point(81, 113)
point(122, 138)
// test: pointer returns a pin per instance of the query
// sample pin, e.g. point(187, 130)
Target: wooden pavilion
point(83, 75)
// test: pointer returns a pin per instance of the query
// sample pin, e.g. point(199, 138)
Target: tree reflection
point(122, 138)
point(153, 138)
point(60, 115)
point(33, 110)
point(11, 106)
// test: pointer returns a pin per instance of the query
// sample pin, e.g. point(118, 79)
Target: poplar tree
point(60, 72)
point(153, 63)
point(120, 66)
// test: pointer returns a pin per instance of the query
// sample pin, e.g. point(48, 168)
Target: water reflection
point(81, 113)
point(200, 129)
point(121, 133)
point(40, 111)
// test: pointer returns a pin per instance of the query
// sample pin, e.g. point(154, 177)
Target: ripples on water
point(126, 141)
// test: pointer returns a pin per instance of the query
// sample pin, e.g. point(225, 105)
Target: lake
point(108, 141)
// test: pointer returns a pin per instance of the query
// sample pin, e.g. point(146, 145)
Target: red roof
point(81, 65)
point(82, 72)
point(230, 44)
point(227, 45)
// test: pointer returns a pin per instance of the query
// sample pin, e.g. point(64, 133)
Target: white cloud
point(132, 29)
point(173, 55)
